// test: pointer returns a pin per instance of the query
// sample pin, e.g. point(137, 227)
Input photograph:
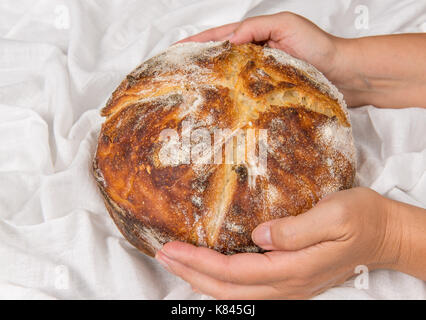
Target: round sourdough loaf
point(157, 184)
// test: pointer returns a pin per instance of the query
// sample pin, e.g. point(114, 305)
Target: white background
point(59, 62)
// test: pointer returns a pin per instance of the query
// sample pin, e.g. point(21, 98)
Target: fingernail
point(167, 254)
point(262, 235)
point(162, 259)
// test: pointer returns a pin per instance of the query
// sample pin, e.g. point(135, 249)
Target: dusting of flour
point(316, 76)
point(180, 65)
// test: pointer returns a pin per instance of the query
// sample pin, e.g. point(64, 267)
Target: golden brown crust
point(219, 86)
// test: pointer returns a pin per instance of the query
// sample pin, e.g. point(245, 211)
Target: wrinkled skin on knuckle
point(279, 235)
point(342, 213)
point(283, 233)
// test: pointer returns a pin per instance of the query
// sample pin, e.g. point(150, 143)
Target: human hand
point(309, 253)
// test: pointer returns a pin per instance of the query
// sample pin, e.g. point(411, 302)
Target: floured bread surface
point(220, 86)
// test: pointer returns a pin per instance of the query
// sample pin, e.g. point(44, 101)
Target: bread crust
point(219, 85)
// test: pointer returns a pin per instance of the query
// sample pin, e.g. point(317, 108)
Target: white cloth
point(60, 61)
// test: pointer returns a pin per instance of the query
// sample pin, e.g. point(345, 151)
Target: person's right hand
point(286, 31)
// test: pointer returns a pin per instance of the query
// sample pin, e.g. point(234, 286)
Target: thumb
point(297, 232)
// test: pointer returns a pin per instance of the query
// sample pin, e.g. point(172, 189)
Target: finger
point(256, 29)
point(319, 224)
point(213, 34)
point(213, 287)
point(242, 268)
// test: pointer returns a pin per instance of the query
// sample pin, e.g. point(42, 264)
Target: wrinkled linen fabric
point(59, 63)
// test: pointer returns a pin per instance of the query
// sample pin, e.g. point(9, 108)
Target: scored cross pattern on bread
point(220, 86)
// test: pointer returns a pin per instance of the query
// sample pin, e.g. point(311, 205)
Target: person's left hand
point(309, 253)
